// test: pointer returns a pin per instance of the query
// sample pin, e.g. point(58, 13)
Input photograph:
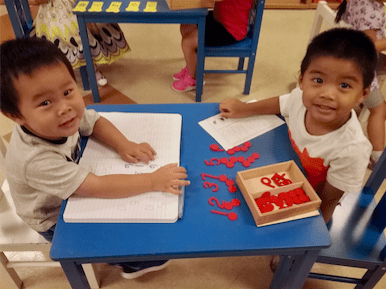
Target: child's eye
point(67, 92)
point(45, 103)
point(318, 80)
point(344, 85)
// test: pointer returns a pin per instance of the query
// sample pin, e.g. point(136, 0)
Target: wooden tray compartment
point(249, 182)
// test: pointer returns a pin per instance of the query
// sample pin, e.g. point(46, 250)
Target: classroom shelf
point(298, 4)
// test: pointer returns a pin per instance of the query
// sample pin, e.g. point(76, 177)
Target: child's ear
point(301, 81)
point(18, 119)
point(366, 93)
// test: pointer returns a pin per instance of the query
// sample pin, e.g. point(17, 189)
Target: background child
point(39, 92)
point(369, 16)
point(56, 22)
point(226, 24)
point(336, 74)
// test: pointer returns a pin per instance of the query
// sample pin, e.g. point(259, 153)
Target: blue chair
point(357, 234)
point(21, 19)
point(245, 48)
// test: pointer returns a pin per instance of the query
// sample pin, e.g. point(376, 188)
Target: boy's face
point(331, 88)
point(50, 103)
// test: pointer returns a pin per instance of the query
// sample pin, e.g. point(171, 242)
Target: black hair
point(23, 56)
point(347, 44)
point(340, 10)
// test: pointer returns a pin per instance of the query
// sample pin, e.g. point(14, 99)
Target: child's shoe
point(186, 83)
point(181, 74)
point(132, 271)
point(100, 78)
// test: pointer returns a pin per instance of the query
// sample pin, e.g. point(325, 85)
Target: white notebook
point(163, 132)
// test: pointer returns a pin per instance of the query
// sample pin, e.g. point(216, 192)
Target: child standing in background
point(56, 22)
point(369, 16)
point(336, 74)
point(38, 91)
point(226, 24)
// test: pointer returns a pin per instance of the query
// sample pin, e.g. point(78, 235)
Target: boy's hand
point(132, 152)
point(168, 178)
point(233, 108)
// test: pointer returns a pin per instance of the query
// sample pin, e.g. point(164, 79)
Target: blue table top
point(199, 233)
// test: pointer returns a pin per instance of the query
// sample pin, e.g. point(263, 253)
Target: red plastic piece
point(232, 216)
point(266, 181)
point(203, 175)
point(255, 156)
point(230, 182)
point(217, 202)
point(246, 164)
point(211, 163)
point(230, 165)
point(233, 159)
point(244, 148)
point(223, 178)
point(240, 159)
point(218, 212)
point(209, 185)
point(232, 189)
point(228, 205)
point(280, 180)
point(236, 148)
point(223, 160)
point(250, 159)
point(215, 148)
point(230, 152)
point(248, 144)
point(236, 202)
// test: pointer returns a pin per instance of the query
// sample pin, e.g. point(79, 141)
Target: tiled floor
point(145, 76)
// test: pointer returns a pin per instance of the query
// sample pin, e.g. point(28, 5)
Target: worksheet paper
point(231, 132)
point(163, 133)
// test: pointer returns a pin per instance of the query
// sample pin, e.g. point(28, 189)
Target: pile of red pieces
point(297, 196)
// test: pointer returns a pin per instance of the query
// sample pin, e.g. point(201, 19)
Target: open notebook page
point(163, 133)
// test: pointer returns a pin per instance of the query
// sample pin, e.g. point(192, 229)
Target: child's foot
point(275, 261)
point(100, 78)
point(132, 271)
point(186, 83)
point(181, 74)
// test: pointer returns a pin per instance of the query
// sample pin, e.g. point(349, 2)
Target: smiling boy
point(336, 74)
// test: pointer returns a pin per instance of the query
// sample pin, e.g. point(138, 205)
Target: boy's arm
point(129, 151)
point(235, 108)
point(165, 179)
point(330, 197)
point(380, 44)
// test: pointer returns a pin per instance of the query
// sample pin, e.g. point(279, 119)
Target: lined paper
point(163, 132)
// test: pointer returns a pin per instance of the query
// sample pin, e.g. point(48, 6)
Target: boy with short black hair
point(39, 92)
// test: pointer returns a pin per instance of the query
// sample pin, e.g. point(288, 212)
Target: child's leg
point(189, 48)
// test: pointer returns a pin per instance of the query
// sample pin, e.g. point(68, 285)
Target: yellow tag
point(151, 7)
point(81, 7)
point(114, 7)
point(133, 6)
point(96, 6)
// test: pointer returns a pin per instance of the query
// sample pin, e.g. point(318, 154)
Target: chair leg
point(248, 77)
point(91, 272)
point(371, 278)
point(84, 76)
point(8, 275)
point(241, 63)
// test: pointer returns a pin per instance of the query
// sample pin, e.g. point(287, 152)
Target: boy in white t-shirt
point(38, 91)
point(336, 74)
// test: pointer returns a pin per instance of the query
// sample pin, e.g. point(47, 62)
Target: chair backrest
point(20, 16)
point(377, 176)
point(325, 13)
point(255, 18)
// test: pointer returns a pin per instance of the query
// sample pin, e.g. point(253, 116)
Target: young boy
point(39, 92)
point(336, 74)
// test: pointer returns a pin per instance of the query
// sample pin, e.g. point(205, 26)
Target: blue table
point(87, 13)
point(199, 233)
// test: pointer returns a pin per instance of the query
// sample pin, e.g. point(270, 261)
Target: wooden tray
point(251, 186)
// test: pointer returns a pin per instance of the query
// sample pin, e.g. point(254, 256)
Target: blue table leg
point(293, 270)
point(88, 58)
point(200, 59)
point(75, 275)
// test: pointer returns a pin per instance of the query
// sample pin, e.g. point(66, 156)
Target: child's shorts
point(374, 99)
point(215, 33)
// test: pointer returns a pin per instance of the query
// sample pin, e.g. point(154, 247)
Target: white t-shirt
point(41, 174)
point(340, 157)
